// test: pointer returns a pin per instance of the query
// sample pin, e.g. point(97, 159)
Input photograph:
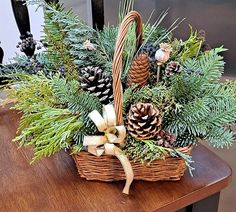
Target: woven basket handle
point(117, 60)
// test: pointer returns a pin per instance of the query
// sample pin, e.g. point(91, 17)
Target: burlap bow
point(98, 145)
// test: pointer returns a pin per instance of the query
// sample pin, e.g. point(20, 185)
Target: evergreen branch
point(220, 137)
point(49, 130)
point(147, 151)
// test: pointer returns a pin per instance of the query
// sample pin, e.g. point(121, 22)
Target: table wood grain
point(52, 184)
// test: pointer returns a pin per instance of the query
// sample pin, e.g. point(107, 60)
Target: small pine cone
point(173, 68)
point(139, 70)
point(143, 121)
point(165, 139)
point(185, 139)
point(95, 81)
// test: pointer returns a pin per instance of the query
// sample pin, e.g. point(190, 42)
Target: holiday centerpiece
point(127, 102)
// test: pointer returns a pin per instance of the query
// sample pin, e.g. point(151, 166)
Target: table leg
point(208, 204)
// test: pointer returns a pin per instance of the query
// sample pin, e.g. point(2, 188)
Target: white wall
point(9, 34)
point(80, 7)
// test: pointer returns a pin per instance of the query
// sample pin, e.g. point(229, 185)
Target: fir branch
point(55, 28)
point(76, 100)
point(220, 137)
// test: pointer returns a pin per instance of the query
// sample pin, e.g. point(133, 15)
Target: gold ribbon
point(98, 145)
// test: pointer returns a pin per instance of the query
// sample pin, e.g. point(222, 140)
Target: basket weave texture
point(109, 168)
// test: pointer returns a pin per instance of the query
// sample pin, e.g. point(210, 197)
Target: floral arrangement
point(172, 96)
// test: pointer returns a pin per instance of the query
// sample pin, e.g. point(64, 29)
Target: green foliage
point(105, 44)
point(160, 96)
point(207, 106)
point(204, 70)
point(32, 90)
point(49, 130)
point(220, 137)
point(183, 50)
point(151, 33)
point(194, 105)
point(147, 151)
point(57, 23)
point(55, 113)
point(78, 102)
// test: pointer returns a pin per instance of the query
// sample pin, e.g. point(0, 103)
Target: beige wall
point(9, 34)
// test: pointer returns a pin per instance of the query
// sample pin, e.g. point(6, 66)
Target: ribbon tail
point(127, 168)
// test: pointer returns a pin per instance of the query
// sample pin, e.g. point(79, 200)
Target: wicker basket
point(108, 168)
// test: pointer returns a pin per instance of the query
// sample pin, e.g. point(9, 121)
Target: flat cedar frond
point(31, 91)
point(50, 130)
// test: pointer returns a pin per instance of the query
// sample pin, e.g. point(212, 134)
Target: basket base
point(108, 168)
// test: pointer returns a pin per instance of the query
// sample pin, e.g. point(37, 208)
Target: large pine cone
point(165, 139)
point(94, 80)
point(143, 121)
point(139, 70)
point(172, 68)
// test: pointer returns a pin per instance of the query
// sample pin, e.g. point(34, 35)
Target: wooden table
point(52, 184)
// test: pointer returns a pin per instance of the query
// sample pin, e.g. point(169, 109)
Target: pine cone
point(139, 70)
point(185, 139)
point(165, 139)
point(143, 121)
point(172, 68)
point(94, 80)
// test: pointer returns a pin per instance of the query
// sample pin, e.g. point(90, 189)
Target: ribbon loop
point(98, 145)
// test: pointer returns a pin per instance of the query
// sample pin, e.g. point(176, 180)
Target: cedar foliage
point(55, 113)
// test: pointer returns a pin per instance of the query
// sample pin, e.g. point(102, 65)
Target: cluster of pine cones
point(144, 119)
